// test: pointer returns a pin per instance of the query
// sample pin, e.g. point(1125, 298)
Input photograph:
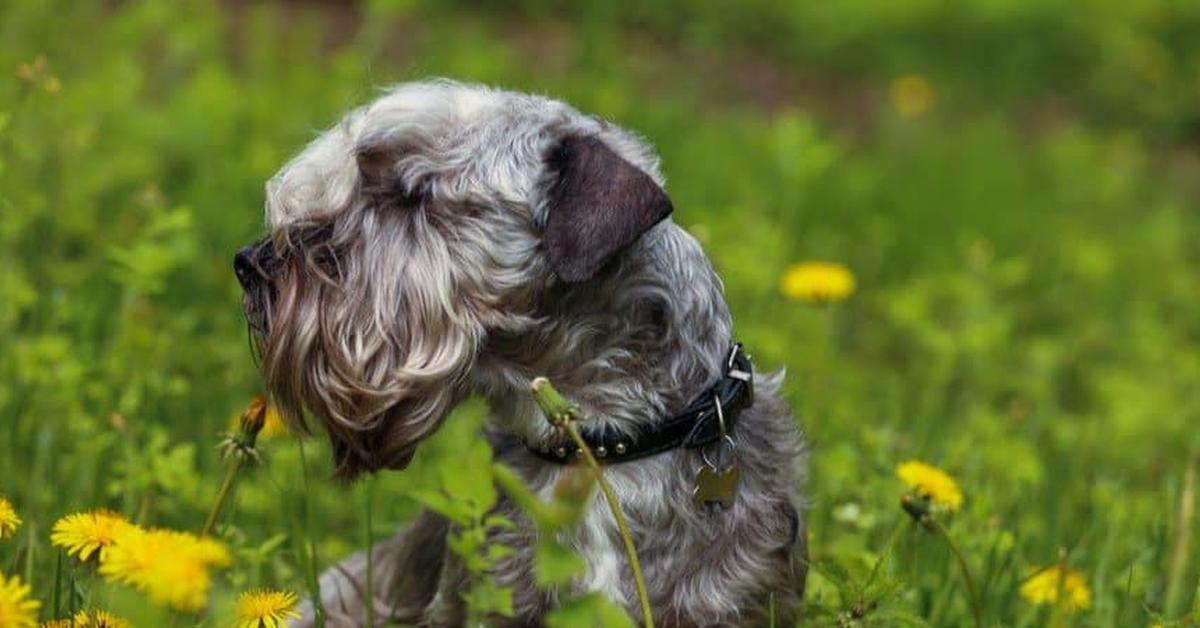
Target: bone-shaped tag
point(716, 487)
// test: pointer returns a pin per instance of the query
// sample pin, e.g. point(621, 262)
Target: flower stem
point(238, 445)
point(370, 601)
point(626, 536)
point(561, 413)
point(883, 556)
point(222, 496)
point(968, 579)
point(58, 564)
point(314, 583)
point(1180, 552)
point(72, 592)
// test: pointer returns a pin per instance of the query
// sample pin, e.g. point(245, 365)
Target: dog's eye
point(556, 157)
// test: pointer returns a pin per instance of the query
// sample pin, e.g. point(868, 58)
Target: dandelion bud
point(556, 407)
point(254, 417)
point(241, 442)
point(916, 507)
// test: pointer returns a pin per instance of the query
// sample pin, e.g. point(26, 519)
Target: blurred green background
point(1013, 182)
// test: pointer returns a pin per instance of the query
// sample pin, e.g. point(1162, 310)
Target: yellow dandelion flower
point(94, 618)
point(97, 618)
point(17, 610)
point(931, 483)
point(86, 533)
point(9, 520)
point(265, 609)
point(172, 568)
point(1056, 584)
point(273, 425)
point(817, 282)
point(911, 95)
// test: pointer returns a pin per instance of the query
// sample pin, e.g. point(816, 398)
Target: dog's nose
point(243, 267)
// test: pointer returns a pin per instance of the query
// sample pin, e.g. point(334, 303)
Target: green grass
point(1026, 254)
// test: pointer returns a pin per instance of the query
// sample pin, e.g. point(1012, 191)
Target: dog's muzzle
point(250, 263)
point(253, 265)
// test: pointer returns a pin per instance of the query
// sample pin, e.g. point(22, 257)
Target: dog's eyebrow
point(302, 235)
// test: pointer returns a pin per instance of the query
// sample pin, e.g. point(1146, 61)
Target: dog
point(452, 240)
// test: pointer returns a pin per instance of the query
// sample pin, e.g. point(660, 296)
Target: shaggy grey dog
point(450, 240)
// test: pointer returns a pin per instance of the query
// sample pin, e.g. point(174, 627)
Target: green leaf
point(470, 481)
point(498, 521)
point(591, 609)
point(441, 504)
point(272, 543)
point(496, 551)
point(573, 494)
point(554, 563)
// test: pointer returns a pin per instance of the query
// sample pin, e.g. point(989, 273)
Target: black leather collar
point(698, 425)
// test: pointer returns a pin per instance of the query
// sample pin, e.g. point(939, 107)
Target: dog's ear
point(597, 205)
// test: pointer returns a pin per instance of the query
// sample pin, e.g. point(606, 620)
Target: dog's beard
point(357, 325)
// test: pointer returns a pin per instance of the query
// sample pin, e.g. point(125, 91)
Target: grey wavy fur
point(407, 270)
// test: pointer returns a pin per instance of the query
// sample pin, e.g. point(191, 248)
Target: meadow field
point(1014, 185)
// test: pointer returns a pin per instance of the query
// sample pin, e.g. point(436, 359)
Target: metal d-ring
point(720, 415)
point(726, 440)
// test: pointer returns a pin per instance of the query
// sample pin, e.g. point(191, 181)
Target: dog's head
point(400, 238)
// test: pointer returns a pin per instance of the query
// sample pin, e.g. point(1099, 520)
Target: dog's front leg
point(406, 569)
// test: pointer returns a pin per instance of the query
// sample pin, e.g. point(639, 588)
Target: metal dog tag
point(716, 487)
point(713, 486)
